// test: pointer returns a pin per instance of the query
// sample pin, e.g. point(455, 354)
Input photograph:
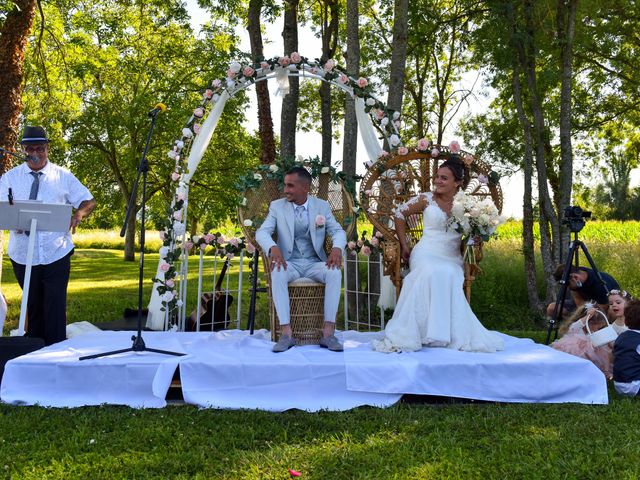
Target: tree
point(289, 113)
point(116, 62)
point(14, 32)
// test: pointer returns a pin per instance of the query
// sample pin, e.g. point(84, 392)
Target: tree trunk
point(329, 44)
point(549, 224)
point(398, 54)
point(14, 37)
point(566, 33)
point(130, 239)
point(265, 122)
point(528, 244)
point(349, 150)
point(289, 114)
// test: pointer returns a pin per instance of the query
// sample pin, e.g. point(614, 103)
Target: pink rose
point(264, 65)
point(362, 82)
point(329, 65)
point(175, 176)
point(231, 74)
point(284, 61)
point(196, 128)
point(209, 237)
point(198, 112)
point(216, 84)
point(178, 215)
point(343, 79)
point(360, 243)
point(208, 93)
point(233, 241)
point(374, 241)
point(351, 245)
point(379, 234)
point(403, 150)
point(188, 245)
point(295, 57)
point(379, 113)
point(435, 152)
point(384, 153)
point(423, 145)
point(164, 267)
point(220, 240)
point(162, 235)
point(169, 283)
point(230, 255)
point(454, 147)
point(181, 196)
point(366, 251)
point(314, 70)
point(251, 248)
point(320, 220)
point(248, 71)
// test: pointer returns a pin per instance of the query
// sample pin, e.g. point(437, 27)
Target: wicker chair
point(306, 297)
point(399, 178)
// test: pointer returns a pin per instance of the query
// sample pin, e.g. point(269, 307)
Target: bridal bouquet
point(473, 217)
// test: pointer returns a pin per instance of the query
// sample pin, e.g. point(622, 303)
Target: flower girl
point(626, 363)
point(575, 340)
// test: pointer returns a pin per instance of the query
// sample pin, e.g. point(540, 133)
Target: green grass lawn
point(476, 440)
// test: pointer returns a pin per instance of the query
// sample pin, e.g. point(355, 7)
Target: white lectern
point(33, 216)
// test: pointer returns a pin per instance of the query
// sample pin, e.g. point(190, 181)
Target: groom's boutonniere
point(320, 221)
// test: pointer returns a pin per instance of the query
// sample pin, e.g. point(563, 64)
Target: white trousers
point(316, 271)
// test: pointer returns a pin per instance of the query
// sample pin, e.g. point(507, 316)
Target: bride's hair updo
point(459, 170)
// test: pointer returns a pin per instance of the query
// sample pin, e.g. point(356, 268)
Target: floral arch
point(187, 152)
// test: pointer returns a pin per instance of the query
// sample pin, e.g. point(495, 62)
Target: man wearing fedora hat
point(38, 179)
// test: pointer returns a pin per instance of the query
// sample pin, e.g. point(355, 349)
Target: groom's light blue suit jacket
point(280, 220)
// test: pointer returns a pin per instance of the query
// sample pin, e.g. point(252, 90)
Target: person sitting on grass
point(626, 353)
point(575, 341)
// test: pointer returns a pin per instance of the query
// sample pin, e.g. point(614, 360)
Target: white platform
point(234, 370)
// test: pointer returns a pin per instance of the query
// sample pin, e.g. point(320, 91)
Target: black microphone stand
point(143, 169)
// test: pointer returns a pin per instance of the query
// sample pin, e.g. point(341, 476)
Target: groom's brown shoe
point(332, 343)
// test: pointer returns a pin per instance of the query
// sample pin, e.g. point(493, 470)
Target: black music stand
point(143, 169)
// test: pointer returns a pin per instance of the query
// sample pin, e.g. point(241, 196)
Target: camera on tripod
point(574, 218)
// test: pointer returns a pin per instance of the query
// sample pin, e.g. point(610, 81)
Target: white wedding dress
point(432, 309)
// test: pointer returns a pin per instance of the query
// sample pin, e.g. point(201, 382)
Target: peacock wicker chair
point(395, 180)
point(306, 297)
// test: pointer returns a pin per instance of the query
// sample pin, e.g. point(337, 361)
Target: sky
point(307, 144)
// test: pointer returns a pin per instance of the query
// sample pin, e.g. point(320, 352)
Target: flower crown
point(623, 293)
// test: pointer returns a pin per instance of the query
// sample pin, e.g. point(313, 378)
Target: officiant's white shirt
point(57, 185)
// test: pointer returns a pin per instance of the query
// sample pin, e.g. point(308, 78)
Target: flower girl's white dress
point(432, 309)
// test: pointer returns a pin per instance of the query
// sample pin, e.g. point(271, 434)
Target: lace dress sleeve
point(402, 208)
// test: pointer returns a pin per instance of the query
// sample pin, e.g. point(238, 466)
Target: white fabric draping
point(367, 131)
point(523, 372)
point(387, 299)
point(232, 369)
point(54, 377)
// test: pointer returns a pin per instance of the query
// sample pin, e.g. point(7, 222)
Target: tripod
point(143, 170)
point(572, 255)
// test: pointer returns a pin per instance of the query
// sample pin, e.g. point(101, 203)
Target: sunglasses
point(35, 148)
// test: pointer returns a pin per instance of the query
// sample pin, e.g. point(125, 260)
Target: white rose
point(247, 223)
point(370, 101)
point(394, 140)
point(195, 238)
point(180, 144)
point(273, 168)
point(396, 115)
point(243, 202)
point(163, 251)
point(172, 154)
point(257, 176)
point(324, 170)
point(179, 228)
point(186, 132)
point(384, 122)
point(235, 67)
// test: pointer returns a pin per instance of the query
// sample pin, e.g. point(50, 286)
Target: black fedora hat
point(34, 134)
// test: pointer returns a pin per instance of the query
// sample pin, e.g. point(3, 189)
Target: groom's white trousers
point(316, 271)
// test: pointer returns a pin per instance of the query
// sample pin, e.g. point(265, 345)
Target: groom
point(301, 223)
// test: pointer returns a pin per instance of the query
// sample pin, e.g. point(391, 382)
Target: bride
point(432, 309)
